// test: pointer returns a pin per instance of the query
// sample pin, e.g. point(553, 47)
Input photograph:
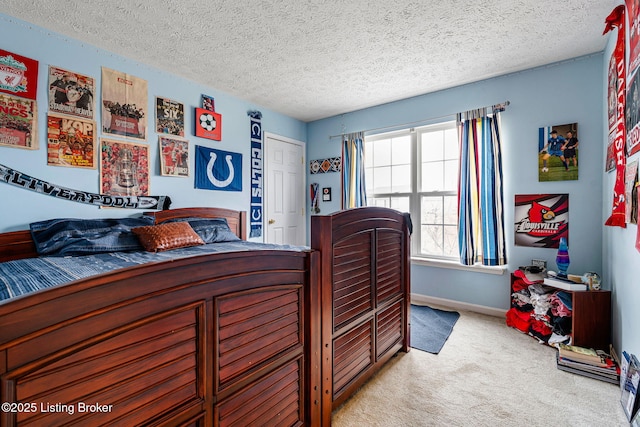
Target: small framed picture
point(174, 156)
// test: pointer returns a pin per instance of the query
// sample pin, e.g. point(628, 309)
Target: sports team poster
point(169, 116)
point(71, 142)
point(124, 168)
point(18, 122)
point(18, 75)
point(217, 169)
point(71, 93)
point(124, 104)
point(558, 148)
point(174, 156)
point(541, 219)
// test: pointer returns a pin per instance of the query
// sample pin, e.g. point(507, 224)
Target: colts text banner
point(218, 170)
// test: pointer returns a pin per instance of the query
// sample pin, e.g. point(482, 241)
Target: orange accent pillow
point(162, 237)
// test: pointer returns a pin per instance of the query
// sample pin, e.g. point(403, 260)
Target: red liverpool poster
point(18, 75)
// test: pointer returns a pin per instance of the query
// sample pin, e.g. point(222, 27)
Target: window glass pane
point(401, 150)
point(451, 241)
point(451, 144)
point(369, 179)
point(432, 147)
point(431, 210)
point(368, 154)
point(400, 204)
point(401, 179)
point(381, 152)
point(382, 181)
point(451, 210)
point(431, 239)
point(432, 177)
point(378, 201)
point(451, 175)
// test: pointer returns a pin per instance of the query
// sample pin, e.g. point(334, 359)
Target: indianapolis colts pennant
point(218, 170)
point(255, 216)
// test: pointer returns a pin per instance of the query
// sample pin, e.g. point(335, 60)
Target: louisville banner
point(218, 170)
point(19, 179)
point(541, 219)
point(255, 219)
point(617, 20)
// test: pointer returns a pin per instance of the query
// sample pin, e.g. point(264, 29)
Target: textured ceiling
point(314, 59)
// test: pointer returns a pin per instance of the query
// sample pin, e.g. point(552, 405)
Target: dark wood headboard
point(19, 244)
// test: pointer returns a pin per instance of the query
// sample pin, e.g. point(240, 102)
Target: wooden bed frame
point(220, 339)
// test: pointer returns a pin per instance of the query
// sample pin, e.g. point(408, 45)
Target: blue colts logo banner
point(255, 215)
point(218, 170)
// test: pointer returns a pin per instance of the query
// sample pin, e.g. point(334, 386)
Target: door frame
point(266, 166)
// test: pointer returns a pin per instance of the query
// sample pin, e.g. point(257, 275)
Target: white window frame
point(416, 178)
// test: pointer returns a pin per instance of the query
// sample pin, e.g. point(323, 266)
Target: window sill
point(498, 270)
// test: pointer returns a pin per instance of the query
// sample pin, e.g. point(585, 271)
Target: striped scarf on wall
point(480, 200)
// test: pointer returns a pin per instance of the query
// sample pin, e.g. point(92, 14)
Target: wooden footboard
point(365, 296)
point(212, 340)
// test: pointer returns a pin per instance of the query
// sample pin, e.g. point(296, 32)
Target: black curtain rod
point(498, 107)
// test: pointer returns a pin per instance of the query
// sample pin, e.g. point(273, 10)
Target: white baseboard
point(457, 305)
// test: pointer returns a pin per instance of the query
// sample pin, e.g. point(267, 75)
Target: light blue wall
point(20, 207)
point(621, 261)
point(562, 93)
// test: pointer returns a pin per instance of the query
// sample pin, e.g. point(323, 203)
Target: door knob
point(272, 221)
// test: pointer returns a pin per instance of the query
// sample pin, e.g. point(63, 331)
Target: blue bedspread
point(29, 275)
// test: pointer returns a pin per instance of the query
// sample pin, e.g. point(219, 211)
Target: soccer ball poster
point(208, 124)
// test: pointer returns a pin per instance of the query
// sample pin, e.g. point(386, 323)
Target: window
point(416, 171)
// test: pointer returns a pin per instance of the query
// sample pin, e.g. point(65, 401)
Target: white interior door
point(285, 190)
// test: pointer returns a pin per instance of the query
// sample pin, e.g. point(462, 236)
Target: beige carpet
point(487, 374)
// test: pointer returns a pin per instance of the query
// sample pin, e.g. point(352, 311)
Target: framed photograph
point(71, 142)
point(558, 152)
point(71, 93)
point(541, 220)
point(124, 104)
point(174, 156)
point(208, 103)
point(632, 114)
point(18, 122)
point(124, 168)
point(169, 116)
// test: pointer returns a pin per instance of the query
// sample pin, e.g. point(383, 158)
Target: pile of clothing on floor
point(541, 311)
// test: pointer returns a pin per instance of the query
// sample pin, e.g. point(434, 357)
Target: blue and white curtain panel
point(218, 170)
point(480, 199)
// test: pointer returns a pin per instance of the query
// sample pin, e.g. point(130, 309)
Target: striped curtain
point(353, 187)
point(480, 201)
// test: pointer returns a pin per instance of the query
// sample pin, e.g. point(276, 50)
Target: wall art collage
point(122, 153)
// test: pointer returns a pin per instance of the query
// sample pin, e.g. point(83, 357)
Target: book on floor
point(585, 355)
point(609, 375)
point(629, 398)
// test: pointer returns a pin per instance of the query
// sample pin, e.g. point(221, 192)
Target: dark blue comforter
point(24, 276)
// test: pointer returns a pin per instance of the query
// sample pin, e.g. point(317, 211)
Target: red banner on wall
point(18, 75)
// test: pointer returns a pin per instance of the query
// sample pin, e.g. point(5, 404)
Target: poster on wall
point(124, 104)
point(71, 142)
point(218, 170)
point(124, 168)
point(610, 162)
point(208, 124)
point(71, 93)
point(541, 219)
point(558, 152)
point(631, 182)
point(633, 114)
point(169, 116)
point(633, 11)
point(18, 75)
point(612, 94)
point(174, 156)
point(18, 122)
